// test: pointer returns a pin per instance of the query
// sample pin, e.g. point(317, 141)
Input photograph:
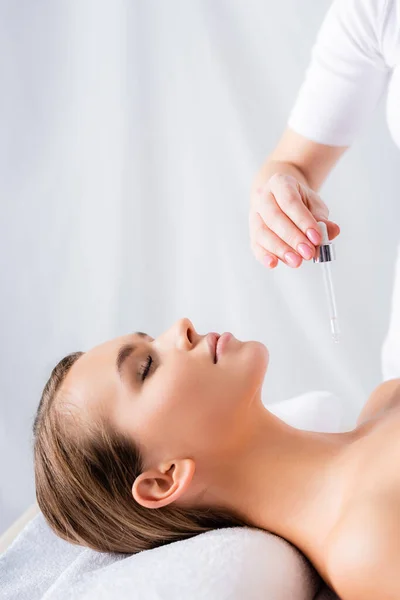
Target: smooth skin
point(208, 440)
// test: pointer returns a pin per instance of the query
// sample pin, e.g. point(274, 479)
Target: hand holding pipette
point(283, 217)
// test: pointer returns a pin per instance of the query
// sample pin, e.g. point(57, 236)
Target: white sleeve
point(346, 76)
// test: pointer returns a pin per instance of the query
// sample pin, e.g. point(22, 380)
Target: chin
point(257, 360)
point(260, 352)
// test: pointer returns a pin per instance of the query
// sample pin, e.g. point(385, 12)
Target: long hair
point(84, 475)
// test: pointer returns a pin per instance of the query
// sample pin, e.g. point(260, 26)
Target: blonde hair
point(84, 476)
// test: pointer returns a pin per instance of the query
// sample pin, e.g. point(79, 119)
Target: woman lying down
point(140, 442)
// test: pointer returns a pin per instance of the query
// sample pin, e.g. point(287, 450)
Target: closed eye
point(146, 367)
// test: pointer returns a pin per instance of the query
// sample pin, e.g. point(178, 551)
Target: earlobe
point(160, 486)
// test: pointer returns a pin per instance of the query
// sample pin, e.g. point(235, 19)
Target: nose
point(186, 335)
point(182, 335)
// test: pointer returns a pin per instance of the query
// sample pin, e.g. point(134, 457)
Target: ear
point(160, 486)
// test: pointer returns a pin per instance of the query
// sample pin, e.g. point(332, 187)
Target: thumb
point(333, 228)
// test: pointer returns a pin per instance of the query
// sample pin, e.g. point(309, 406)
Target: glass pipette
point(324, 255)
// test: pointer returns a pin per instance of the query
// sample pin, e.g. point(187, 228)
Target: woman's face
point(186, 406)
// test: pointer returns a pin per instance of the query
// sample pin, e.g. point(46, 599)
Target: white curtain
point(130, 134)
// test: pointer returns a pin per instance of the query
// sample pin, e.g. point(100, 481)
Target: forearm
point(309, 162)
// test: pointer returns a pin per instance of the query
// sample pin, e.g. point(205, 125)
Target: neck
point(287, 481)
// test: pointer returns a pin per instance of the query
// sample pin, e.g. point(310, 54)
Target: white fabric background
point(130, 134)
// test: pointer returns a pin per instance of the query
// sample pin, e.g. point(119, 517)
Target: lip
point(212, 339)
point(221, 344)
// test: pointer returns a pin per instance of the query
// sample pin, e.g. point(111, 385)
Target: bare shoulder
point(363, 553)
point(385, 396)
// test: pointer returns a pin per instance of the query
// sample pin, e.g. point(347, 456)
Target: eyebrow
point(125, 351)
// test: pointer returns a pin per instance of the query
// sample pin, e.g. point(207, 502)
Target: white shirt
point(356, 57)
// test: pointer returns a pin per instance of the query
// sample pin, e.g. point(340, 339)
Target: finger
point(265, 258)
point(333, 229)
point(284, 228)
point(287, 192)
point(274, 245)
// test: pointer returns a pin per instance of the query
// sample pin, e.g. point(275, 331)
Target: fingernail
point(305, 251)
point(292, 259)
point(268, 260)
point(313, 236)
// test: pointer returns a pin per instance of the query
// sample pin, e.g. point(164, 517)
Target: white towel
point(238, 563)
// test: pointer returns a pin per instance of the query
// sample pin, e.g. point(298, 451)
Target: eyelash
point(146, 369)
